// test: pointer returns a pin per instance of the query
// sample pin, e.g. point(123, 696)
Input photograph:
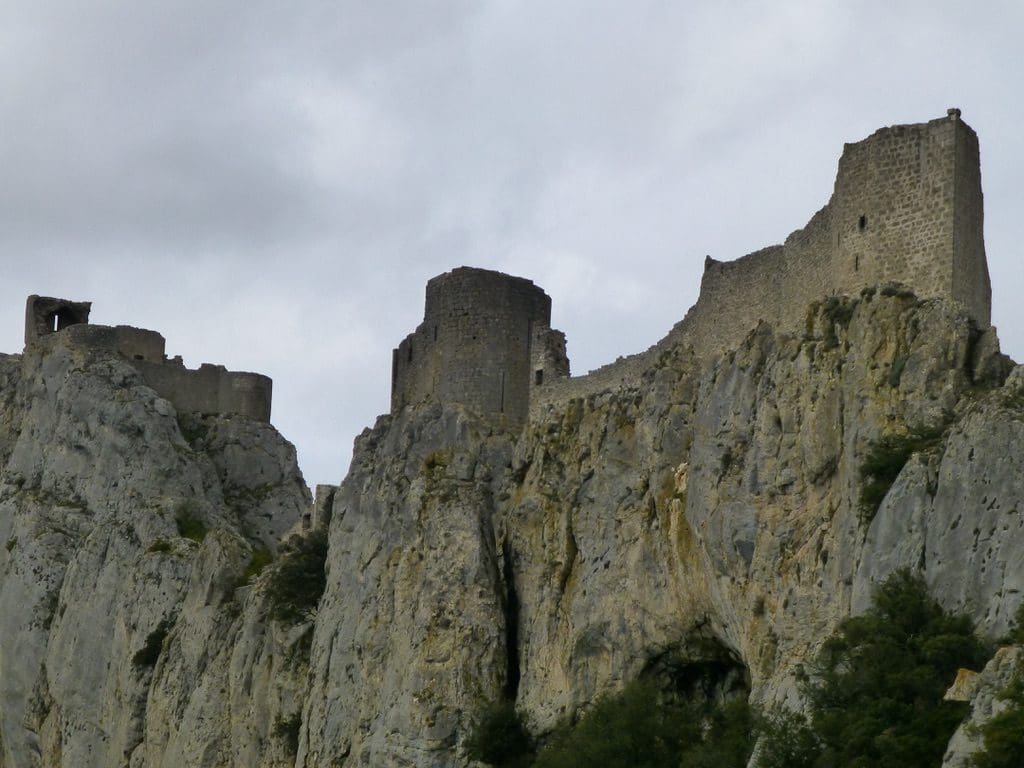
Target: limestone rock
point(985, 703)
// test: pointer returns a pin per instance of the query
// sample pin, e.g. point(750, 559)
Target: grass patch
point(883, 463)
point(148, 654)
point(436, 460)
point(260, 559)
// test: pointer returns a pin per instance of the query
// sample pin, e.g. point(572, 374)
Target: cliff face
point(706, 518)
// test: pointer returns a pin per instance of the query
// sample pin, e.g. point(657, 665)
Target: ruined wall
point(906, 208)
point(473, 346)
point(970, 267)
point(210, 389)
point(45, 315)
point(133, 343)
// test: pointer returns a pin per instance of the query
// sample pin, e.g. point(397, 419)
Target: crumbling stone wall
point(474, 345)
point(212, 389)
point(45, 315)
point(906, 208)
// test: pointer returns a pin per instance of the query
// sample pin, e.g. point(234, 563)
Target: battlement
point(906, 208)
point(210, 389)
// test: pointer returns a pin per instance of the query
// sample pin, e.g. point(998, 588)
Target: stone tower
point(484, 342)
point(906, 208)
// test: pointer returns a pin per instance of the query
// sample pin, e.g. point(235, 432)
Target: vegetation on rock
point(297, 583)
point(877, 693)
point(884, 462)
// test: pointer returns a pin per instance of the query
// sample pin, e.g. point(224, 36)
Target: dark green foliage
point(499, 738)
point(259, 560)
point(297, 583)
point(1016, 634)
point(637, 728)
point(11, 544)
point(896, 370)
point(884, 462)
point(877, 695)
point(1004, 734)
point(642, 727)
point(287, 729)
point(787, 741)
point(190, 526)
point(192, 426)
point(160, 545)
point(726, 740)
point(149, 653)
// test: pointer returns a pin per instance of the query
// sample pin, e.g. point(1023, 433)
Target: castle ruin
point(484, 341)
point(210, 389)
point(906, 208)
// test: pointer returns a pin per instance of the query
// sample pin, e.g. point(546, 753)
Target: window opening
point(410, 353)
point(538, 376)
point(862, 223)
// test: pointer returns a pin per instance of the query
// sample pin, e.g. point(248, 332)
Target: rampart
point(906, 208)
point(210, 389)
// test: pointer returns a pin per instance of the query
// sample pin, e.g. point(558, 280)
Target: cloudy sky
point(271, 184)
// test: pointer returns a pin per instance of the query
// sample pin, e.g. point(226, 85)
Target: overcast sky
point(270, 185)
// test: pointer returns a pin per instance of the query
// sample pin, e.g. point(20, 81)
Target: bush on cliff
point(500, 738)
point(298, 581)
point(876, 699)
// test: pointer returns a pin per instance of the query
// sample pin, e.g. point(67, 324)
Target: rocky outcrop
point(103, 599)
point(986, 702)
point(703, 519)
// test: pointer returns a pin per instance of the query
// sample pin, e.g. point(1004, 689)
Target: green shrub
point(287, 729)
point(726, 740)
point(1003, 735)
point(884, 462)
point(190, 525)
point(876, 697)
point(192, 426)
point(787, 741)
point(500, 738)
point(637, 728)
point(260, 559)
point(1015, 636)
point(149, 653)
point(297, 583)
point(160, 545)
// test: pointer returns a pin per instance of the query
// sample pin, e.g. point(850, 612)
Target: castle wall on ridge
point(210, 389)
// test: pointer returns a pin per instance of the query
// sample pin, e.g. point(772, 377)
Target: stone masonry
point(210, 389)
point(484, 341)
point(906, 208)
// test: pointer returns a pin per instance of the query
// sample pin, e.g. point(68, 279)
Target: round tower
point(474, 345)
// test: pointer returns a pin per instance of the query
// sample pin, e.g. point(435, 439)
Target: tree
point(876, 694)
